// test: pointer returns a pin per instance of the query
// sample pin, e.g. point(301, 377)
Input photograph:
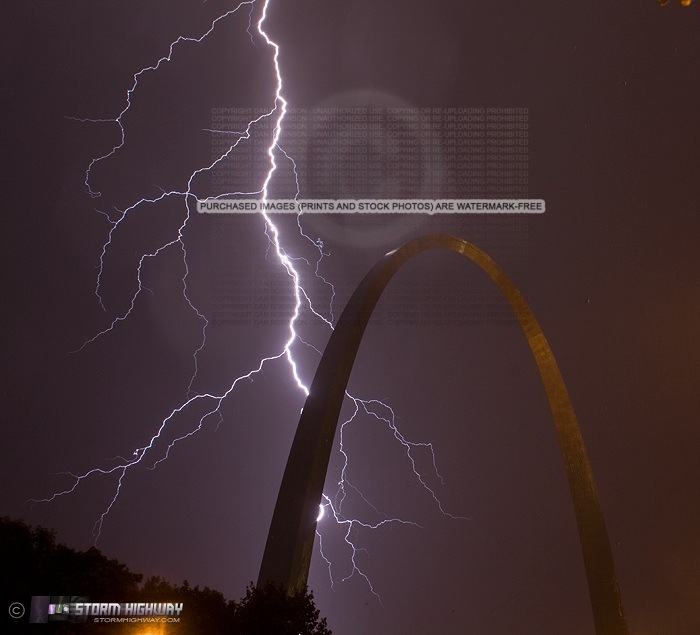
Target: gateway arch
point(289, 547)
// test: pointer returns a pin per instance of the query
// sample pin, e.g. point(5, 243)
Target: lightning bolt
point(345, 487)
point(158, 448)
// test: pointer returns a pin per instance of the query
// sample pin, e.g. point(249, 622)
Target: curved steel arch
point(290, 542)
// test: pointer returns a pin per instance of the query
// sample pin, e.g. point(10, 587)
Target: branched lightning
point(409, 446)
point(335, 505)
point(159, 447)
point(130, 92)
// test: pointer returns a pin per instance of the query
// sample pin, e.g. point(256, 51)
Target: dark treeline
point(34, 564)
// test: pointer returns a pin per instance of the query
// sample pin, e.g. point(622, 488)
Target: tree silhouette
point(33, 564)
point(268, 610)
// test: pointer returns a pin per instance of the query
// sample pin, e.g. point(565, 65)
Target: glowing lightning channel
point(271, 232)
point(213, 401)
point(409, 446)
point(130, 92)
point(335, 506)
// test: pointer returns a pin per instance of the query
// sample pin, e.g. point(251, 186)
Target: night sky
point(611, 271)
